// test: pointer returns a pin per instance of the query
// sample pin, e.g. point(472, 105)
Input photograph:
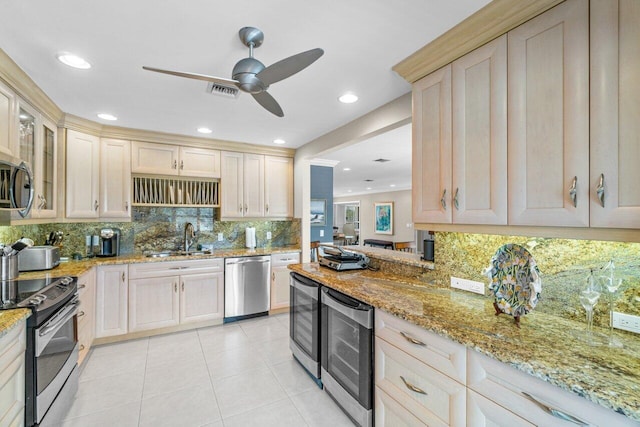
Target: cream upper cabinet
point(479, 176)
point(165, 159)
point(82, 163)
point(46, 179)
point(431, 164)
point(115, 178)
point(7, 125)
point(199, 162)
point(548, 103)
point(278, 186)
point(242, 181)
point(615, 110)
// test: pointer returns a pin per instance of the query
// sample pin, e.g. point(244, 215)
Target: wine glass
point(589, 298)
point(612, 284)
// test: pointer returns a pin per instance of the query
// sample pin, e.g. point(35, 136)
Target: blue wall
point(322, 188)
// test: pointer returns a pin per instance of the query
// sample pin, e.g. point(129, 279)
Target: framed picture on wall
point(318, 212)
point(383, 217)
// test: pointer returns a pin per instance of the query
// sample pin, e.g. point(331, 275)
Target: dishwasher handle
point(245, 261)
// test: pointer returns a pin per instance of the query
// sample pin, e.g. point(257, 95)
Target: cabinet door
point(202, 297)
point(479, 84)
point(46, 174)
point(7, 125)
point(115, 178)
point(280, 278)
point(111, 300)
point(390, 413)
point(232, 182)
point(482, 412)
point(253, 185)
point(82, 162)
point(278, 186)
point(431, 164)
point(548, 102)
point(615, 90)
point(199, 162)
point(152, 158)
point(153, 303)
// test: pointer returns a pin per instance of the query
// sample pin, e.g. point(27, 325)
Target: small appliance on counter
point(340, 260)
point(109, 242)
point(38, 258)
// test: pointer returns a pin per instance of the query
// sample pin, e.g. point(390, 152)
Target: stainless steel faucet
point(189, 236)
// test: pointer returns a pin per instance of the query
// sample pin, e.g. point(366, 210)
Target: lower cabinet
point(12, 376)
point(280, 278)
point(112, 286)
point(483, 412)
point(171, 293)
point(391, 413)
point(86, 313)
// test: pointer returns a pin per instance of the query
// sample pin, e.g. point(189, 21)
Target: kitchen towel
point(250, 235)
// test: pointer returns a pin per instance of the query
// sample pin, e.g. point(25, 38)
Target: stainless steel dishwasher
point(246, 286)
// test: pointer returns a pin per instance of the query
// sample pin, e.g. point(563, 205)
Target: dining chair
point(404, 246)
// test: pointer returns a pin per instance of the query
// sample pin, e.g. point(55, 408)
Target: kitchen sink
point(175, 253)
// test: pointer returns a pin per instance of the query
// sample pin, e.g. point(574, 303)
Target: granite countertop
point(547, 347)
point(9, 319)
point(77, 268)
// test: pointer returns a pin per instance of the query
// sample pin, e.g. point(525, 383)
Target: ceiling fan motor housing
point(245, 73)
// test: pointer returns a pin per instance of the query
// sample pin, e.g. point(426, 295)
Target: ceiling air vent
point(382, 160)
point(222, 90)
point(368, 180)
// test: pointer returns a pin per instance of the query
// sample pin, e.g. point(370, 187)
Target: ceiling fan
point(251, 76)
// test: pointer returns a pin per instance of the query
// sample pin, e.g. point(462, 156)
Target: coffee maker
point(109, 242)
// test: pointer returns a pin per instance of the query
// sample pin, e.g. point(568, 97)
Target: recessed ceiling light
point(392, 185)
point(348, 98)
point(279, 141)
point(348, 191)
point(204, 130)
point(346, 169)
point(368, 188)
point(107, 116)
point(73, 60)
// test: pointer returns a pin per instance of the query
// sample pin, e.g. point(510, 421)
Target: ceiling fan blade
point(196, 76)
point(289, 66)
point(268, 102)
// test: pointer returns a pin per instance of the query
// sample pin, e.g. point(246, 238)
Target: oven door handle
point(49, 329)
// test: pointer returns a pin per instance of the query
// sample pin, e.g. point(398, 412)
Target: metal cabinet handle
point(175, 287)
point(81, 347)
point(573, 192)
point(443, 202)
point(123, 277)
point(267, 207)
point(240, 208)
point(175, 164)
point(81, 313)
point(245, 208)
point(555, 412)
point(412, 340)
point(82, 286)
point(412, 387)
point(455, 200)
point(181, 164)
point(95, 205)
point(600, 189)
point(126, 206)
point(273, 275)
point(182, 286)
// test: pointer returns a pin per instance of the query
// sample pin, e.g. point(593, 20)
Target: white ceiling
point(362, 40)
point(393, 175)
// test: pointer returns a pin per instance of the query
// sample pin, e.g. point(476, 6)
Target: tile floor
point(240, 374)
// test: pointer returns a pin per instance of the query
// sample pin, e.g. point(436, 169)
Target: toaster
point(38, 258)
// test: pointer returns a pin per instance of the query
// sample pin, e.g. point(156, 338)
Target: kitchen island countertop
point(546, 347)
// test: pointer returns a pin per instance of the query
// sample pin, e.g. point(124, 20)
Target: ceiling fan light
point(204, 130)
point(73, 61)
point(107, 116)
point(348, 98)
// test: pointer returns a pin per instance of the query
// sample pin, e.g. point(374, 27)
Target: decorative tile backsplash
point(156, 229)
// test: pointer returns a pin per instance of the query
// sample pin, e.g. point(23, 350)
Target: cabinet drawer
point(431, 396)
point(285, 259)
point(173, 268)
point(440, 353)
point(507, 387)
point(85, 339)
point(482, 412)
point(390, 413)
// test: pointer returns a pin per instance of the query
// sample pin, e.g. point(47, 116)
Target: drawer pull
point(81, 314)
point(81, 347)
point(412, 387)
point(555, 412)
point(412, 340)
point(82, 286)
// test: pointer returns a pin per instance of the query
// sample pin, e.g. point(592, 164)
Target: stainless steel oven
point(347, 357)
point(304, 323)
point(51, 374)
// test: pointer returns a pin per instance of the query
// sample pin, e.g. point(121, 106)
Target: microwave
point(16, 187)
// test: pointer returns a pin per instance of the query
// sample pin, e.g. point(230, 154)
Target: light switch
point(220, 237)
point(268, 235)
point(321, 233)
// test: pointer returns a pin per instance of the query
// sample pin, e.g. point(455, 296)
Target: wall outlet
point(220, 237)
point(321, 233)
point(268, 235)
point(467, 285)
point(627, 322)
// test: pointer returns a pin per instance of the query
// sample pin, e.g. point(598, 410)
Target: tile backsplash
point(156, 229)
